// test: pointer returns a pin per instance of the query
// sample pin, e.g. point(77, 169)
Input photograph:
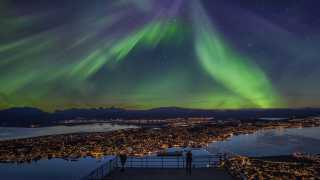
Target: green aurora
point(239, 75)
point(164, 61)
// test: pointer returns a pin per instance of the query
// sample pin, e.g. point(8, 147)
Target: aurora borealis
point(149, 53)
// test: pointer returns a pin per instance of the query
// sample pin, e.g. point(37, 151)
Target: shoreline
point(134, 142)
point(63, 133)
point(59, 124)
point(136, 126)
point(274, 167)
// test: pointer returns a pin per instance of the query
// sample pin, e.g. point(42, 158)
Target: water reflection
point(54, 169)
point(272, 142)
point(261, 143)
point(15, 133)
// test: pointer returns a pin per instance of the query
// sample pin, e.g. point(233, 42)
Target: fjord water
point(272, 142)
point(260, 143)
point(54, 169)
point(7, 133)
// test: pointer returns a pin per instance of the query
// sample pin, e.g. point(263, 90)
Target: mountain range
point(26, 116)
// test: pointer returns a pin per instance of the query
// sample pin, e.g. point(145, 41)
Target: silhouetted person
point(188, 162)
point(123, 159)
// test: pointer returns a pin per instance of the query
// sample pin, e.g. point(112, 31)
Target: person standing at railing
point(189, 162)
point(123, 159)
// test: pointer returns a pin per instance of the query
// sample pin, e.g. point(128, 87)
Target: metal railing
point(207, 161)
point(171, 162)
point(103, 170)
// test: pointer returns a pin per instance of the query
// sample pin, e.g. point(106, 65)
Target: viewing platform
point(204, 166)
point(169, 174)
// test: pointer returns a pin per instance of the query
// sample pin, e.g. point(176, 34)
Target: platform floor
point(169, 174)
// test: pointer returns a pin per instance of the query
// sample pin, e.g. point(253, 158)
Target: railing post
point(97, 175)
point(141, 162)
point(161, 162)
point(147, 159)
point(183, 163)
point(102, 171)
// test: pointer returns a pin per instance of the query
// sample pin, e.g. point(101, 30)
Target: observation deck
point(204, 166)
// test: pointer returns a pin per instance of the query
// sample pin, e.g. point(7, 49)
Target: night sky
point(139, 54)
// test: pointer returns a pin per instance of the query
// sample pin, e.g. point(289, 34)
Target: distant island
point(33, 117)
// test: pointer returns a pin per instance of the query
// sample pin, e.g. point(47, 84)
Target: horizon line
point(160, 107)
